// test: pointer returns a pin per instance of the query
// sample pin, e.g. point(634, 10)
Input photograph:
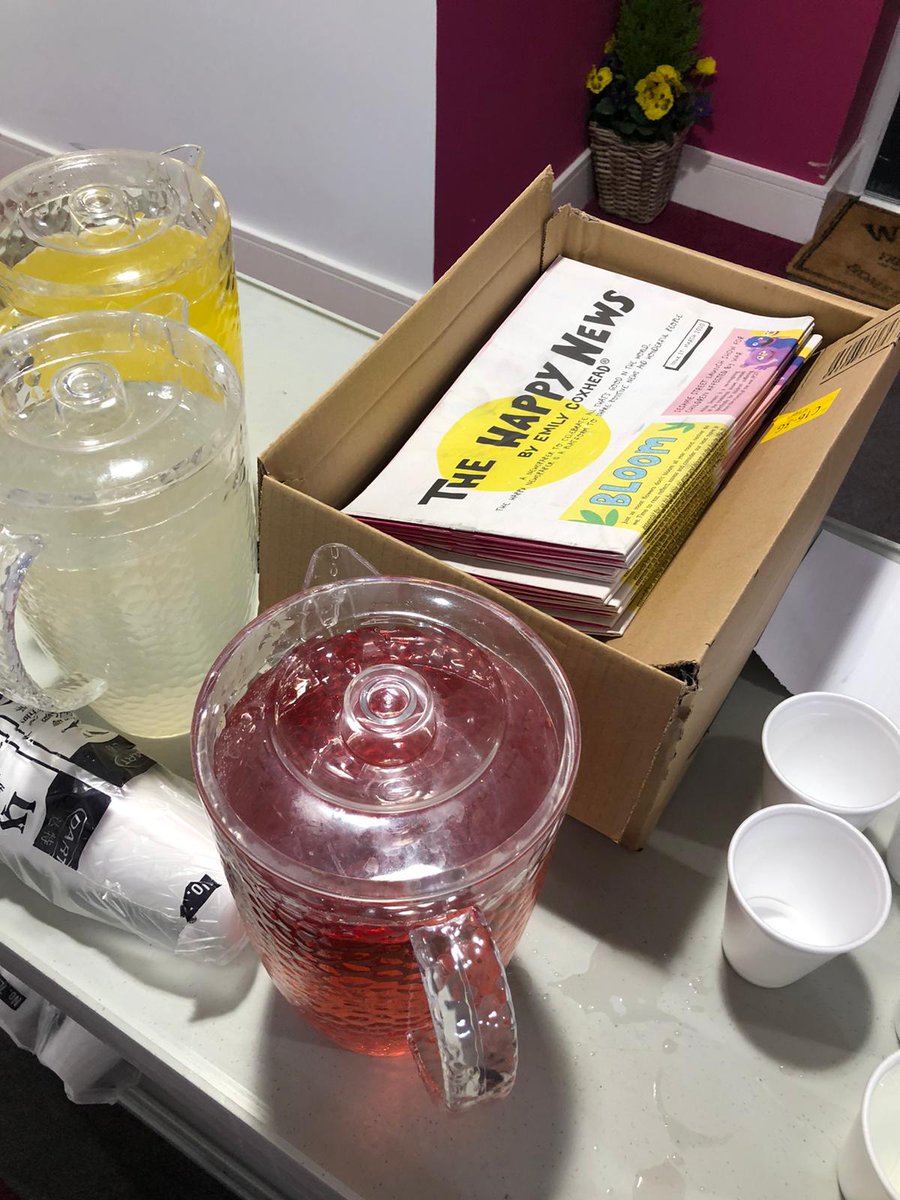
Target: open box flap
point(407, 370)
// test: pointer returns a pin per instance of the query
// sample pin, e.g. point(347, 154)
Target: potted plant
point(647, 91)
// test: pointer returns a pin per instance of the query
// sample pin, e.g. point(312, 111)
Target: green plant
point(650, 32)
point(650, 84)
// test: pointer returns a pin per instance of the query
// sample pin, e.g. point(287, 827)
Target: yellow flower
point(609, 45)
point(654, 96)
point(705, 66)
point(672, 78)
point(598, 79)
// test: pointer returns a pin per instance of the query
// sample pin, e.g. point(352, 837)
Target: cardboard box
point(646, 699)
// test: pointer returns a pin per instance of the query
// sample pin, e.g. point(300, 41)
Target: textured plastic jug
point(118, 229)
point(127, 528)
point(386, 762)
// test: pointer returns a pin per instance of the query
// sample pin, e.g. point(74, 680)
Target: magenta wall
point(510, 100)
point(794, 84)
point(789, 72)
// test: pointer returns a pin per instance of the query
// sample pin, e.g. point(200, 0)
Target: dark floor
point(53, 1150)
point(870, 495)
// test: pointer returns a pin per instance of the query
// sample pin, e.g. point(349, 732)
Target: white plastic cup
point(869, 1161)
point(832, 752)
point(803, 887)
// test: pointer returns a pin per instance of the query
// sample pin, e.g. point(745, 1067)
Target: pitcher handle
point(472, 1052)
point(17, 553)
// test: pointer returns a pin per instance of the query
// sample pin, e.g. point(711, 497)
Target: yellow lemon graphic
point(524, 448)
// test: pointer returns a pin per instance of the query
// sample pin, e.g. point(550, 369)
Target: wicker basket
point(634, 180)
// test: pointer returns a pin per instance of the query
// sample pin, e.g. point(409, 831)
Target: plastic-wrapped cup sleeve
point(97, 829)
point(154, 861)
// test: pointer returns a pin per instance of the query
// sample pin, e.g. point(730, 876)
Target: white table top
point(648, 1069)
point(293, 352)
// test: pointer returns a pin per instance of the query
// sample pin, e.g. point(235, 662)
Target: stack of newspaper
point(574, 454)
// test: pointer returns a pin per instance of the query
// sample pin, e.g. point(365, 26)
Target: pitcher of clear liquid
point(118, 229)
point(386, 763)
point(127, 530)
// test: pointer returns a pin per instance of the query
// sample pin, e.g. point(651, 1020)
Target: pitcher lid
point(385, 737)
point(102, 408)
point(103, 208)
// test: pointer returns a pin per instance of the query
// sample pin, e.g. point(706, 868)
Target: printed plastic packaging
point(91, 1072)
point(99, 829)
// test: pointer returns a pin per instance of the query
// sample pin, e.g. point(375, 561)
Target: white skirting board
point(336, 287)
point(712, 183)
point(725, 187)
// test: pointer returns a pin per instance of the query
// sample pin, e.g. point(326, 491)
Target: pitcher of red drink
point(386, 762)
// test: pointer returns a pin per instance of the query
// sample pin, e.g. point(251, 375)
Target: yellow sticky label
point(667, 460)
point(788, 421)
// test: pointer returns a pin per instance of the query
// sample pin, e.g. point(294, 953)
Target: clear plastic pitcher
point(127, 529)
point(386, 762)
point(118, 229)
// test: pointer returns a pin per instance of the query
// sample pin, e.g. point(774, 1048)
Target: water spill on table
point(663, 1181)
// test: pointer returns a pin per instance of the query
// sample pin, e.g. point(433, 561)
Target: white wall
point(318, 116)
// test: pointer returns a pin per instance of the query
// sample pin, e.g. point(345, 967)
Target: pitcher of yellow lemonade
point(118, 229)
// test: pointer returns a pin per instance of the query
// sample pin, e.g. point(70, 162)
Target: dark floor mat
point(853, 253)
